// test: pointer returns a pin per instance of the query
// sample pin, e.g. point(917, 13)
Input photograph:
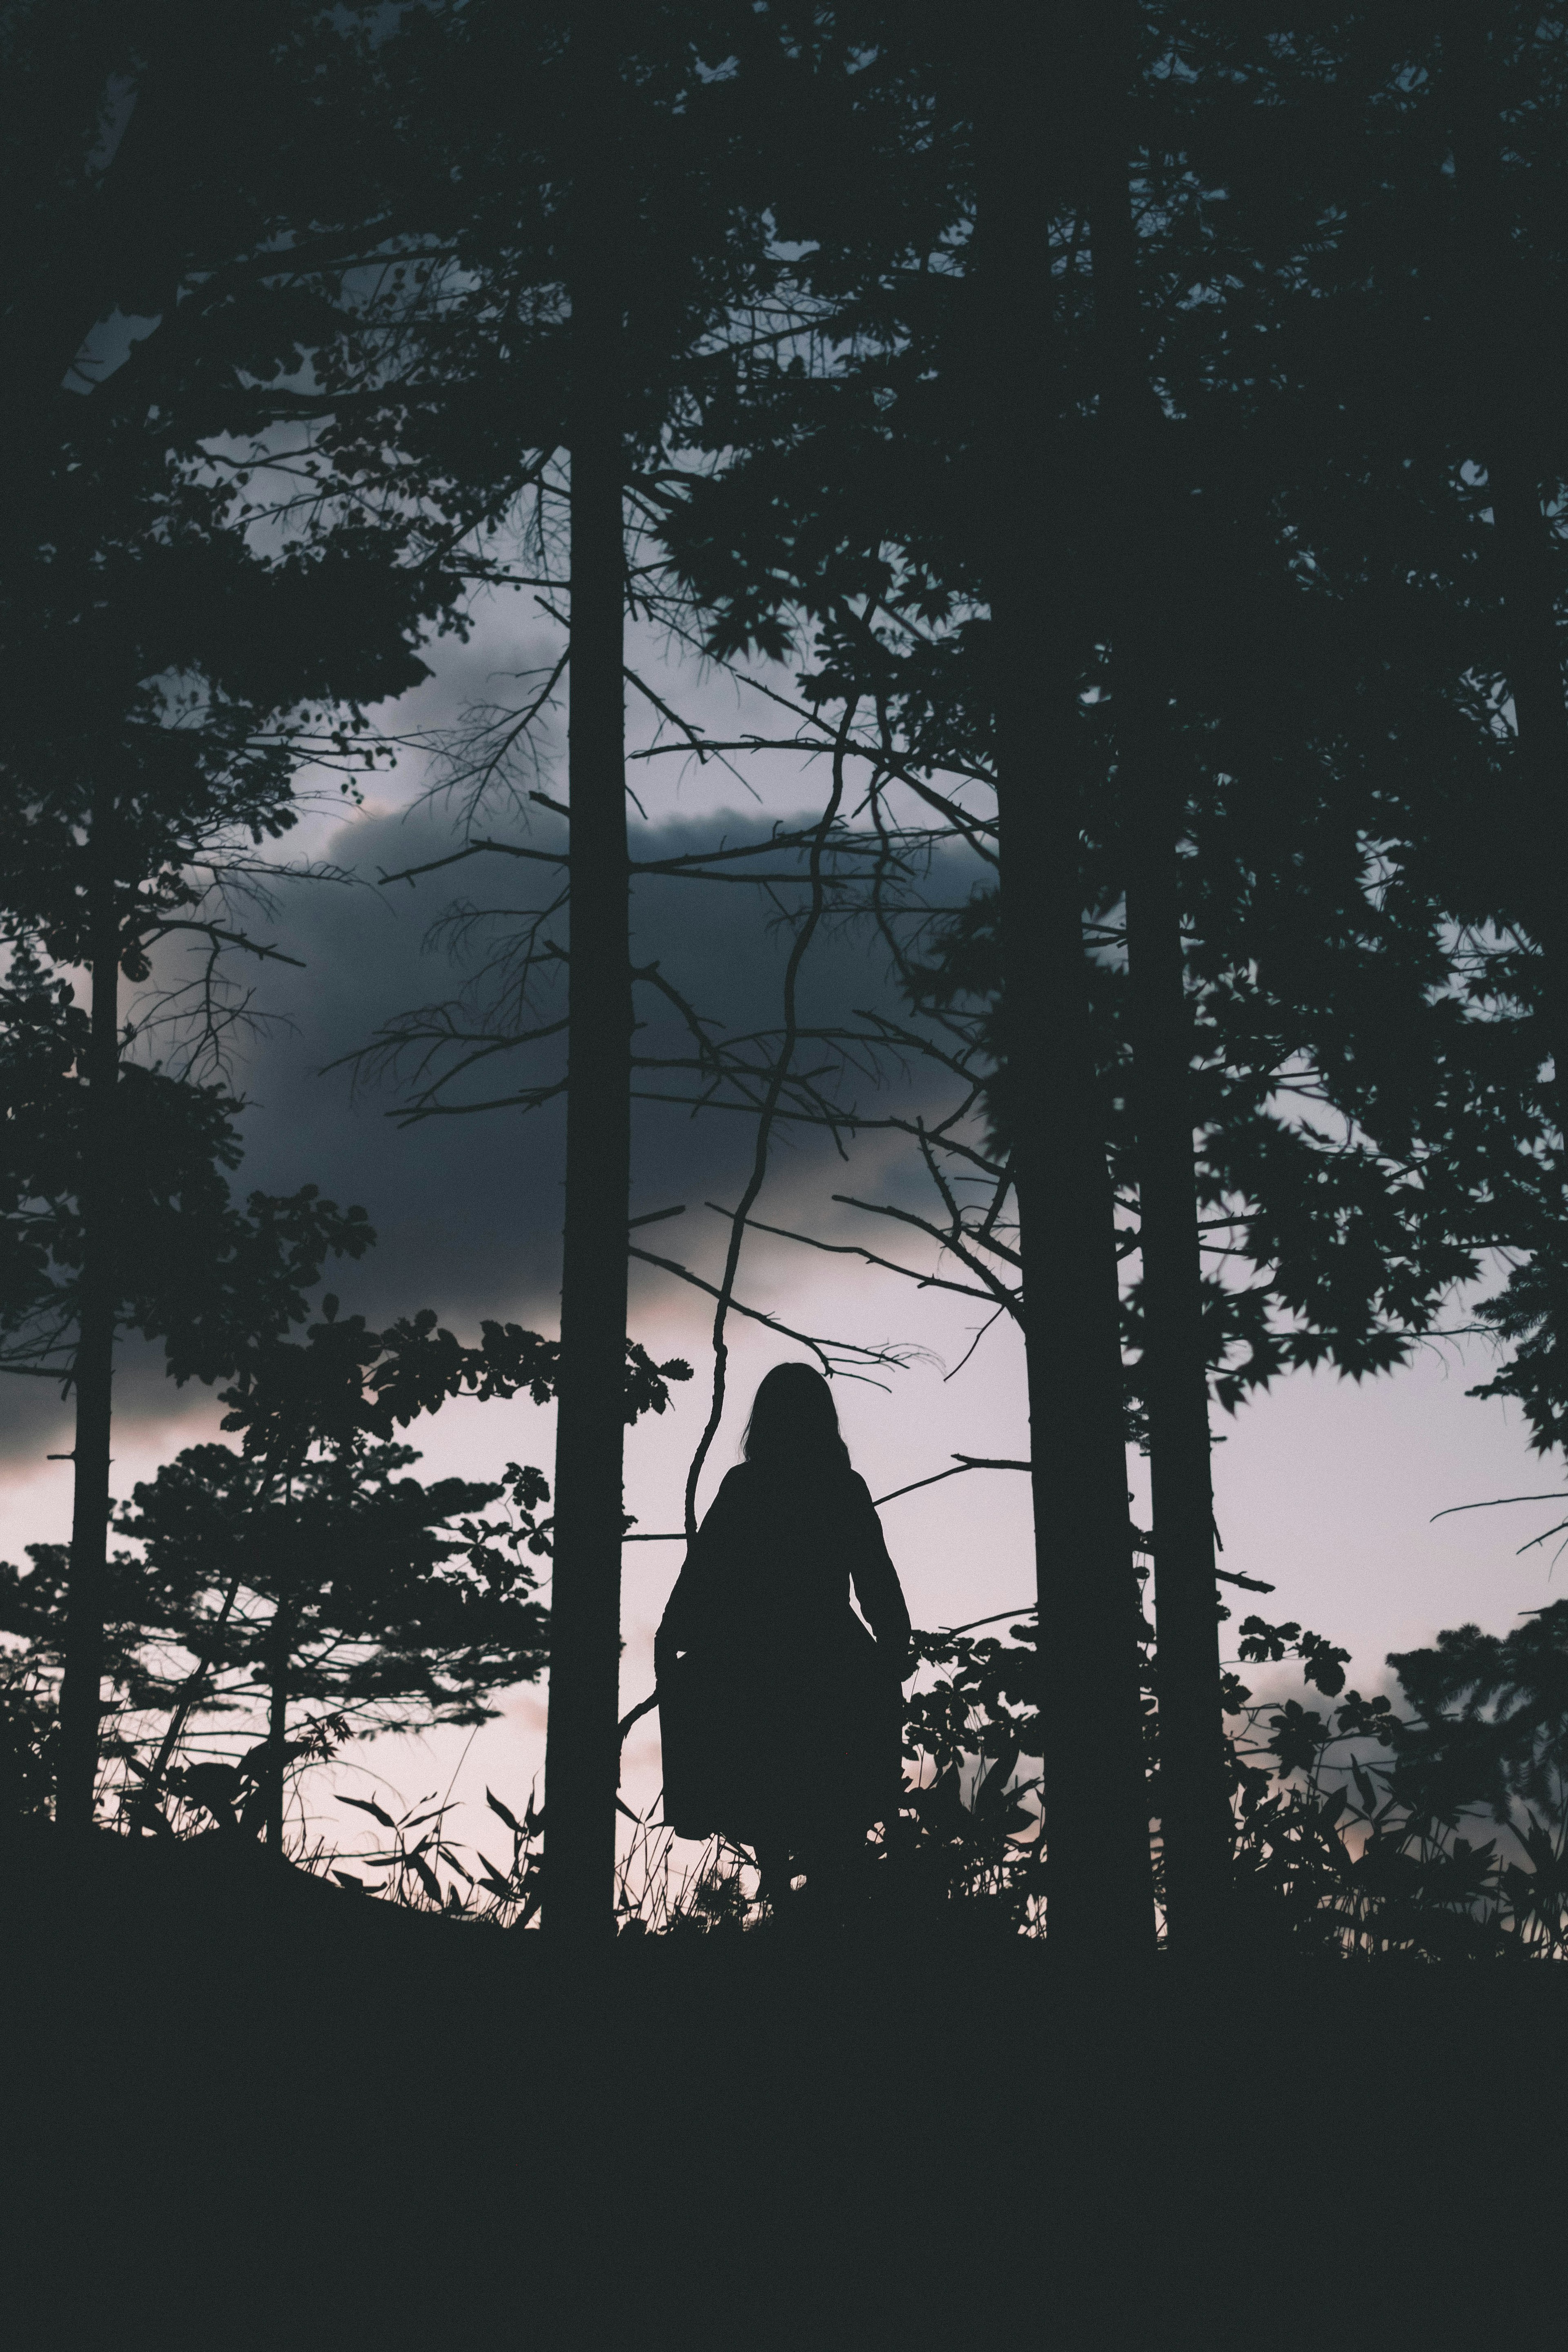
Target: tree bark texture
point(93, 1373)
point(582, 1757)
point(1513, 396)
point(279, 1650)
point(1100, 1904)
point(1195, 1810)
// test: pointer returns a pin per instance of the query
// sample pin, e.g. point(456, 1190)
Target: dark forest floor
point(243, 2107)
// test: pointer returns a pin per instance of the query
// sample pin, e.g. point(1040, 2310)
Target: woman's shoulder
point(755, 1486)
point(741, 1488)
point(769, 1485)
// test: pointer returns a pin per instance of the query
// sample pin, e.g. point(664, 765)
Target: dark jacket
point(780, 1713)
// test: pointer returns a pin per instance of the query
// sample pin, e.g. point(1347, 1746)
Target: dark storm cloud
point(469, 1208)
point(35, 1421)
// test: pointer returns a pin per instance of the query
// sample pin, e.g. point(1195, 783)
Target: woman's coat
point(780, 1712)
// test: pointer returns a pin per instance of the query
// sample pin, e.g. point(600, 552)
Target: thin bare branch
point(765, 1132)
point(831, 1354)
point(854, 1249)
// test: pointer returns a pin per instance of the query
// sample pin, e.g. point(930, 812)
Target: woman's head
point(794, 1420)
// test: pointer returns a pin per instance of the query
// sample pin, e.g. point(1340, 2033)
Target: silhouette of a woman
point(780, 1713)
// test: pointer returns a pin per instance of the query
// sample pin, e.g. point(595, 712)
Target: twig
point(854, 1249)
point(822, 1349)
point(764, 1124)
point(1027, 1610)
point(961, 1462)
point(1495, 1503)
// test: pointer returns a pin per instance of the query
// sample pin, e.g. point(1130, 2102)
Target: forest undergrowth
point(1432, 1824)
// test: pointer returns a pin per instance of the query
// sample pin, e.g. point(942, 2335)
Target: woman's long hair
point(795, 1422)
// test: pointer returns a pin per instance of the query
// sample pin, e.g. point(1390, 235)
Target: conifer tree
point(1276, 603)
point(177, 676)
point(1507, 267)
point(582, 1757)
point(117, 1217)
point(298, 1565)
point(1097, 1814)
point(591, 249)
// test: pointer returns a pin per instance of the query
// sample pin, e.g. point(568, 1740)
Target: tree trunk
point(582, 1754)
point(1498, 321)
point(93, 1373)
point(279, 1651)
point(1099, 1890)
point(1194, 1811)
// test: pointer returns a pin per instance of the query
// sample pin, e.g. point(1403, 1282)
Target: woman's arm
point(689, 1606)
point(877, 1585)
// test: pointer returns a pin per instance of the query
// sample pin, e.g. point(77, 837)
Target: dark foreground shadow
point(245, 2107)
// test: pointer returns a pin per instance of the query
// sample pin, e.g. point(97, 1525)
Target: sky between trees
point(1323, 1488)
point(1162, 629)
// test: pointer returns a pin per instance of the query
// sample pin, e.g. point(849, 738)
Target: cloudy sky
point(1326, 1490)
